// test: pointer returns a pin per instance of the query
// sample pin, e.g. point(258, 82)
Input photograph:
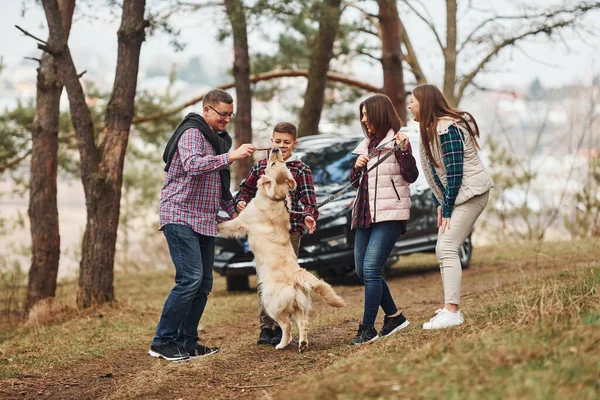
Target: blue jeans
point(193, 255)
point(372, 247)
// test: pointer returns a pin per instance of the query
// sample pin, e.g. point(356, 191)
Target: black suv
point(330, 249)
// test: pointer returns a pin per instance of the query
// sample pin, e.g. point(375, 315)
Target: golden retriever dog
point(285, 287)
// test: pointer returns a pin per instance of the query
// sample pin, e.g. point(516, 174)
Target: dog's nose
point(275, 150)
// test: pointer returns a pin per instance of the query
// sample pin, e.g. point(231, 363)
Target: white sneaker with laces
point(444, 319)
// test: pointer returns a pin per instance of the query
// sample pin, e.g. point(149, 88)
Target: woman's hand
point(361, 161)
point(442, 223)
point(402, 141)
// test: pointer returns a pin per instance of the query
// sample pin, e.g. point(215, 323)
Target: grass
point(535, 339)
point(532, 331)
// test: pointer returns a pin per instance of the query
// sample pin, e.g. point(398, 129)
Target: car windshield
point(330, 160)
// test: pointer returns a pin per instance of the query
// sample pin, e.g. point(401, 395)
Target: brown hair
point(217, 96)
point(381, 114)
point(286, 127)
point(432, 106)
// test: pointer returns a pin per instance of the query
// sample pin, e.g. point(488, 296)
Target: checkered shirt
point(453, 156)
point(191, 192)
point(303, 195)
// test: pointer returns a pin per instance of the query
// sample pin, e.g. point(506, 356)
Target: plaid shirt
point(304, 193)
point(408, 170)
point(191, 192)
point(453, 155)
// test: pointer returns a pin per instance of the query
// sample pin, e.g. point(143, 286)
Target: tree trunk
point(391, 55)
point(450, 54)
point(99, 240)
point(43, 210)
point(241, 75)
point(101, 168)
point(319, 65)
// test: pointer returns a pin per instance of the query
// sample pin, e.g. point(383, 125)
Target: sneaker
point(277, 333)
point(392, 325)
point(170, 352)
point(202, 351)
point(365, 334)
point(444, 319)
point(265, 337)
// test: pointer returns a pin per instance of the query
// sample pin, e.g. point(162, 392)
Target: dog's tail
point(322, 288)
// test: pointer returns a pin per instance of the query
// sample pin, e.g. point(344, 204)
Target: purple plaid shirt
point(191, 192)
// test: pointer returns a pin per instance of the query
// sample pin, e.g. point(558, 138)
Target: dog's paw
point(281, 346)
point(303, 347)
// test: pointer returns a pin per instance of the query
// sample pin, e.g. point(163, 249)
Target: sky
point(94, 42)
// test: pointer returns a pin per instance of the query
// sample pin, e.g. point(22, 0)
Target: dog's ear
point(268, 184)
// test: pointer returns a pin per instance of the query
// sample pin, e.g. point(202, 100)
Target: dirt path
point(243, 370)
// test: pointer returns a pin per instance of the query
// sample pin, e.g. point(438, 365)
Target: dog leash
point(361, 174)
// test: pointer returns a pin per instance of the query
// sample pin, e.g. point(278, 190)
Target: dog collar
point(278, 198)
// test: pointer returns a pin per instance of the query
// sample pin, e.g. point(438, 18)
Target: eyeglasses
point(222, 115)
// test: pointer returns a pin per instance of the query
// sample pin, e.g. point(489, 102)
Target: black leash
point(345, 188)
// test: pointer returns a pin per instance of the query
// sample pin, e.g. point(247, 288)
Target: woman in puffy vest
point(460, 185)
point(381, 209)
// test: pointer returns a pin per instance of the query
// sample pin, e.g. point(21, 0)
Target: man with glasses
point(196, 187)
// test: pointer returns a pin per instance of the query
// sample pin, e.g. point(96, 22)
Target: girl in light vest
point(460, 185)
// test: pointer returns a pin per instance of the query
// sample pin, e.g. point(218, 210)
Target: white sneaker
point(444, 319)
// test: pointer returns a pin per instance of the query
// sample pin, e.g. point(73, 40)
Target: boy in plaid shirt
point(303, 200)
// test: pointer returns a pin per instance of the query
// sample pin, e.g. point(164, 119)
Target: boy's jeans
point(372, 247)
point(193, 255)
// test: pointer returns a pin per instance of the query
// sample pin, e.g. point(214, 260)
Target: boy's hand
point(310, 223)
point(240, 206)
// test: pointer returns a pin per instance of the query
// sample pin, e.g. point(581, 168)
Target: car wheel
point(464, 253)
point(237, 283)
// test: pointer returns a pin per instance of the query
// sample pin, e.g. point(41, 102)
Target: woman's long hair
point(432, 106)
point(382, 116)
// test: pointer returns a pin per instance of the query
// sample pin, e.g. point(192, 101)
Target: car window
point(330, 161)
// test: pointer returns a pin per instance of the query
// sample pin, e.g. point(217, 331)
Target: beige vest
point(389, 193)
point(475, 180)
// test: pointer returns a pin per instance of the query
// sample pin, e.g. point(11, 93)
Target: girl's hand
point(439, 216)
point(445, 225)
point(361, 161)
point(402, 141)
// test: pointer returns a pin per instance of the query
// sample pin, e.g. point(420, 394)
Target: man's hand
point(240, 206)
point(361, 161)
point(310, 223)
point(244, 151)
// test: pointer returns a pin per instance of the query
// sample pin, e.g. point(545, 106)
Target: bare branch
point(14, 162)
point(288, 73)
point(371, 56)
point(547, 29)
point(30, 35)
point(526, 16)
point(33, 59)
point(365, 13)
point(410, 55)
point(427, 20)
point(365, 30)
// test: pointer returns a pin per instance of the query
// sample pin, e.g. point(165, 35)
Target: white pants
point(461, 223)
